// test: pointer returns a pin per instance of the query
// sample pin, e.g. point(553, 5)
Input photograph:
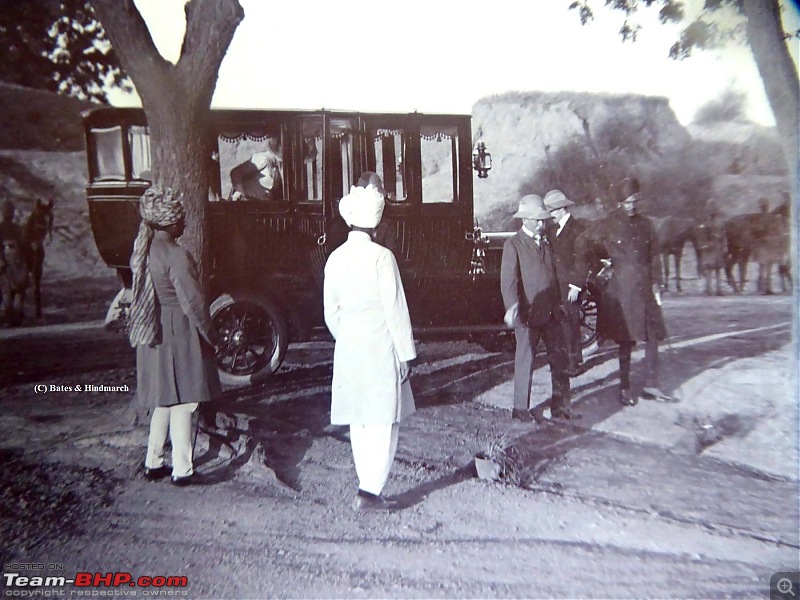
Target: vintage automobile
point(275, 221)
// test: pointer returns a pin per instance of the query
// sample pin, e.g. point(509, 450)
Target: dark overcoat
point(627, 309)
point(179, 367)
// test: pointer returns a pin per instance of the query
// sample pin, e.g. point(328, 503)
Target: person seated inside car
point(260, 177)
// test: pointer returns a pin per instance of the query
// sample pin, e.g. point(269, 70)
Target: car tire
point(253, 336)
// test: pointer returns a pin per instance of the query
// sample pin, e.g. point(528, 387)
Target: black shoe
point(367, 501)
point(566, 414)
point(538, 415)
point(653, 393)
point(193, 479)
point(576, 371)
point(156, 473)
point(627, 398)
point(520, 414)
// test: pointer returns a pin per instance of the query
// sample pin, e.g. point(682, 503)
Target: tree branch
point(131, 40)
point(210, 26)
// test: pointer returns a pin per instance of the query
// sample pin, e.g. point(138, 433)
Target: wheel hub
point(238, 338)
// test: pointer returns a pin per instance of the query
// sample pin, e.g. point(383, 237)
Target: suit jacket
point(530, 280)
point(564, 251)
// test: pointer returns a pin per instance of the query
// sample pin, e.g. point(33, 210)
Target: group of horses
point(764, 238)
point(24, 263)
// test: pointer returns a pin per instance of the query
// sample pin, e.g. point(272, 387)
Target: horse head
point(40, 222)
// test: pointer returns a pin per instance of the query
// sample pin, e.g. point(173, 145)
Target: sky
point(442, 56)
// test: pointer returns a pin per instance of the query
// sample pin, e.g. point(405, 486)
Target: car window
point(390, 151)
point(108, 159)
point(251, 165)
point(342, 158)
point(439, 153)
point(139, 141)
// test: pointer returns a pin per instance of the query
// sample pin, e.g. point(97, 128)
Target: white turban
point(362, 207)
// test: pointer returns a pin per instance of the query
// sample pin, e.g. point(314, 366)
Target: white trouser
point(374, 447)
point(175, 420)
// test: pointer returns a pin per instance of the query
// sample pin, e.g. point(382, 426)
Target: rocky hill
point(40, 120)
point(541, 140)
point(748, 163)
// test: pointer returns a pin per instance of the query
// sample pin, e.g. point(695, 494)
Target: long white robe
point(366, 311)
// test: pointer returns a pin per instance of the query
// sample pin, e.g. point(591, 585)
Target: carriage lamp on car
point(481, 160)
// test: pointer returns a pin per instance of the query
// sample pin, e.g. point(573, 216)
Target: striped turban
point(158, 207)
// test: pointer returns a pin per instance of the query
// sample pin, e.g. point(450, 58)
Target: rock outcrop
point(522, 128)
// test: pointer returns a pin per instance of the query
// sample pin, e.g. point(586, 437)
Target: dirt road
point(697, 499)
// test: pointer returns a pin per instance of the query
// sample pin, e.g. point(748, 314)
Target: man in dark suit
point(562, 238)
point(529, 285)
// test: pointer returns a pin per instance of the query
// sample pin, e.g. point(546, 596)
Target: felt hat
point(532, 207)
point(555, 199)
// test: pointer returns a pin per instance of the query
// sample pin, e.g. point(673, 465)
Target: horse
point(763, 236)
point(38, 226)
point(673, 233)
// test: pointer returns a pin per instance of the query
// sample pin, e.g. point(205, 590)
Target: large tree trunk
point(779, 74)
point(177, 102)
point(176, 98)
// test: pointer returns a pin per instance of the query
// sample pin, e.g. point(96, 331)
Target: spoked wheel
point(588, 322)
point(253, 338)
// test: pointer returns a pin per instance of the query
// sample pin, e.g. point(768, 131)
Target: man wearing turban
point(366, 311)
point(171, 329)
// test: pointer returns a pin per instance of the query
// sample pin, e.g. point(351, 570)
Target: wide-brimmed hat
point(371, 178)
point(555, 199)
point(532, 207)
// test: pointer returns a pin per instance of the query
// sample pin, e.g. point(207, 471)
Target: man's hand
point(657, 293)
point(573, 294)
point(405, 371)
point(511, 315)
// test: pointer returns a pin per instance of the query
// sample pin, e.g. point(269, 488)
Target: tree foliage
point(677, 182)
point(759, 22)
point(729, 106)
point(720, 22)
point(58, 45)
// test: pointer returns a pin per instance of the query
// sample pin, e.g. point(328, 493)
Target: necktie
point(540, 242)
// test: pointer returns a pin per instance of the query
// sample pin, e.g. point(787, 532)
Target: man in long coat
point(171, 329)
point(571, 280)
point(629, 308)
point(366, 311)
point(530, 290)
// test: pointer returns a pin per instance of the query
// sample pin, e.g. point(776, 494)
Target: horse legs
point(729, 264)
point(19, 307)
point(785, 275)
point(665, 283)
point(678, 255)
point(742, 274)
point(13, 307)
point(765, 278)
point(37, 282)
point(718, 277)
